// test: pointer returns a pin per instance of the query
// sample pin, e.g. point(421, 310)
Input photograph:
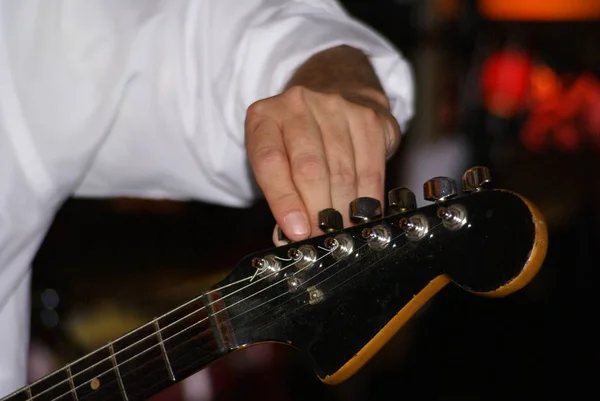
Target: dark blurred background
point(511, 84)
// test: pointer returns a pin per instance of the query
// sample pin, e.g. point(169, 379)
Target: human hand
point(314, 150)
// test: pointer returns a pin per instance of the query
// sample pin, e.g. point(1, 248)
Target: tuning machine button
point(279, 238)
point(475, 178)
point(365, 209)
point(439, 189)
point(401, 200)
point(330, 220)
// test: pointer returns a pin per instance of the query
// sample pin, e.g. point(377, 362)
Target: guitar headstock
point(340, 296)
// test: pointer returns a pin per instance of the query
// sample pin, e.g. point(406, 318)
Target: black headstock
point(339, 297)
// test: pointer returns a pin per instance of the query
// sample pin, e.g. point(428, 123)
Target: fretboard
point(139, 364)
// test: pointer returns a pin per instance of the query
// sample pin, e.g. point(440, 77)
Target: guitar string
point(389, 254)
point(172, 336)
point(188, 303)
point(195, 311)
point(241, 314)
point(204, 319)
point(177, 321)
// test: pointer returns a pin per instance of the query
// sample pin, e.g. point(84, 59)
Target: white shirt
point(142, 98)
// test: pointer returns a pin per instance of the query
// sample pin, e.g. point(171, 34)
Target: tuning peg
point(330, 220)
point(279, 238)
point(439, 189)
point(474, 178)
point(365, 209)
point(401, 200)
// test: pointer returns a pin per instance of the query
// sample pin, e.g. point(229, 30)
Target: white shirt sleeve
point(144, 98)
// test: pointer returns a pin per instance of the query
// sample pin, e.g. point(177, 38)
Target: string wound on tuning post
point(414, 227)
point(453, 217)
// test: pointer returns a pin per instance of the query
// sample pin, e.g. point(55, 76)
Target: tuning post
point(377, 237)
point(453, 217)
point(267, 264)
point(340, 246)
point(293, 283)
point(304, 256)
point(414, 227)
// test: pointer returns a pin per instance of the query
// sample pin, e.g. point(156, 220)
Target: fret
point(188, 338)
point(139, 360)
point(115, 365)
point(140, 364)
point(54, 387)
point(95, 378)
point(71, 384)
point(162, 349)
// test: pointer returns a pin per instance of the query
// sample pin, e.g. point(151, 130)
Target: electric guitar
point(337, 298)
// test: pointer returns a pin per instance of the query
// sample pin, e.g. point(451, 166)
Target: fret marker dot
point(95, 384)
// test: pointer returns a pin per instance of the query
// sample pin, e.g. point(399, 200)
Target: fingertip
point(295, 225)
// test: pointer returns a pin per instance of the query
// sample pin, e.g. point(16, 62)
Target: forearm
point(342, 69)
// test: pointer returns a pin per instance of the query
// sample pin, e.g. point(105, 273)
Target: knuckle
point(309, 167)
point(370, 117)
point(333, 100)
point(256, 109)
point(295, 98)
point(268, 157)
point(285, 200)
point(370, 178)
point(343, 176)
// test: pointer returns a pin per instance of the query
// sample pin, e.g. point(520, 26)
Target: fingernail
point(296, 223)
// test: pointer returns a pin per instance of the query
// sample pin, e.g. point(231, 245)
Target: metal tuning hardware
point(281, 237)
point(303, 257)
point(340, 246)
point(293, 282)
point(439, 189)
point(266, 265)
point(365, 209)
point(377, 237)
point(415, 227)
point(315, 295)
point(453, 217)
point(401, 200)
point(475, 178)
point(330, 220)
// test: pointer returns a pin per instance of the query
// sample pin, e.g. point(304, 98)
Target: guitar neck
point(141, 363)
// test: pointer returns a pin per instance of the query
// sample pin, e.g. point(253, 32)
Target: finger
point(269, 162)
point(309, 169)
point(339, 151)
point(393, 134)
point(369, 139)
